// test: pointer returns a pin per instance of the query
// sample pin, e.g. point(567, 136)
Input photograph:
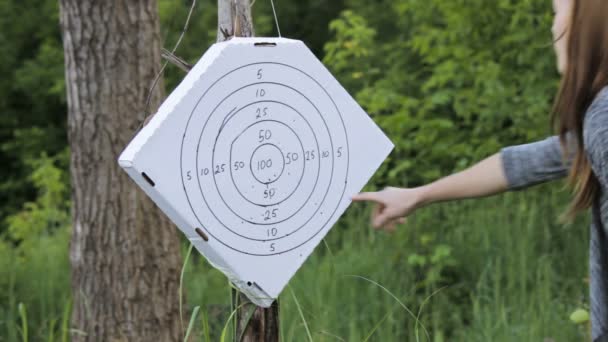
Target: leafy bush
point(449, 83)
point(34, 268)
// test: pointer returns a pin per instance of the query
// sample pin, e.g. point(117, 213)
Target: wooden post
point(254, 324)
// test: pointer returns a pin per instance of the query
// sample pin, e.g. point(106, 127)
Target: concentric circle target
point(264, 158)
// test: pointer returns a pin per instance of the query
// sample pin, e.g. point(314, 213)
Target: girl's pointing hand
point(392, 205)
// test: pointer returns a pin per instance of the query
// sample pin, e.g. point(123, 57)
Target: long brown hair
point(585, 75)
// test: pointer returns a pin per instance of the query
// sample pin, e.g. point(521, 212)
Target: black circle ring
point(182, 148)
point(299, 180)
point(213, 163)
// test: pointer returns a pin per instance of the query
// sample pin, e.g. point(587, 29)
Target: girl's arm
point(513, 168)
point(482, 179)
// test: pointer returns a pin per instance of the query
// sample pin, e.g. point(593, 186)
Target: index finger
point(366, 196)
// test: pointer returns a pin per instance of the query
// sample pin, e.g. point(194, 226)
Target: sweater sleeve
point(533, 163)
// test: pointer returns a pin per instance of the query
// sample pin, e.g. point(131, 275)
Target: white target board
point(254, 156)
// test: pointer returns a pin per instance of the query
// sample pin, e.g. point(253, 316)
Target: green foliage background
point(450, 82)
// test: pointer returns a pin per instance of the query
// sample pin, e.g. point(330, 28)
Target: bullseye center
point(267, 163)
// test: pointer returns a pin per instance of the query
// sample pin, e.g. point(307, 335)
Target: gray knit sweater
point(541, 161)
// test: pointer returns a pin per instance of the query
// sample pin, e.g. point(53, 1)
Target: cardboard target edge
point(362, 156)
point(130, 161)
point(270, 285)
point(367, 156)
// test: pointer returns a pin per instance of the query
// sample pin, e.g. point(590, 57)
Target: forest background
point(450, 82)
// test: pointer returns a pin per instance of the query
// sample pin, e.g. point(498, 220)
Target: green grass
point(37, 281)
point(494, 269)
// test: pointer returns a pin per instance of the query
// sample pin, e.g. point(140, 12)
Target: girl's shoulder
point(601, 101)
point(595, 123)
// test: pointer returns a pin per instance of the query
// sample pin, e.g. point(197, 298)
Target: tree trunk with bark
point(124, 252)
point(254, 324)
point(234, 19)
